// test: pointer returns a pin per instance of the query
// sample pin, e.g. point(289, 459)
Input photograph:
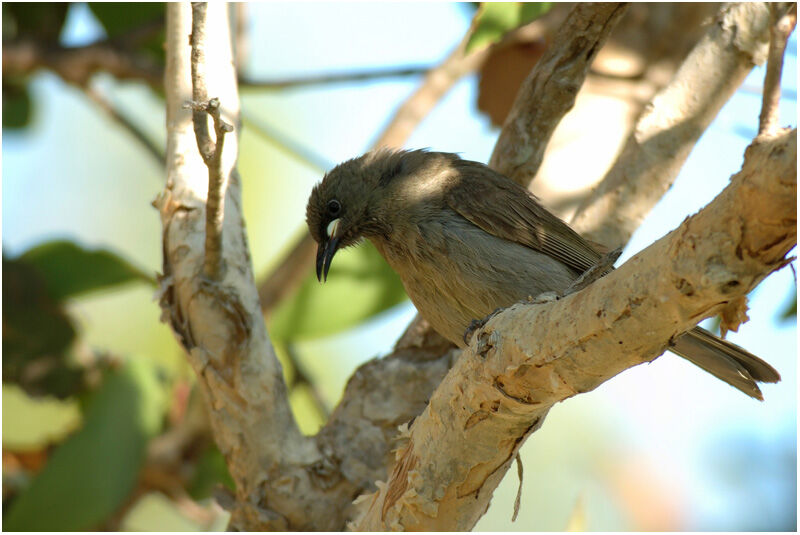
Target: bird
point(467, 240)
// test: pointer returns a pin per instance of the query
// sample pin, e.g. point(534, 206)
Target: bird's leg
point(474, 325)
point(601, 268)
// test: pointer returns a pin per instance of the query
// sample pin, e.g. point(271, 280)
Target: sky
point(680, 424)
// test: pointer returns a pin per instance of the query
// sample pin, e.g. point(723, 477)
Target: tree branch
point(554, 80)
point(335, 78)
point(220, 323)
point(529, 357)
point(77, 65)
point(783, 17)
point(671, 125)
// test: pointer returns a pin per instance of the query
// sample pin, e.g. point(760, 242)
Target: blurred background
point(102, 428)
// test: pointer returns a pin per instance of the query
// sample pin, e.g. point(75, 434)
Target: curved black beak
point(325, 252)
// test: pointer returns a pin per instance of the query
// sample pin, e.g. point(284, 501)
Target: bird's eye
point(334, 207)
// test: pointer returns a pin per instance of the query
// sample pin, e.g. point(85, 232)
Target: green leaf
point(118, 18)
point(94, 471)
point(71, 270)
point(39, 20)
point(139, 24)
point(495, 19)
point(16, 104)
point(210, 470)
point(36, 335)
point(360, 284)
point(790, 310)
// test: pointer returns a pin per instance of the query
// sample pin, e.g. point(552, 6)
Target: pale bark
point(528, 357)
point(219, 323)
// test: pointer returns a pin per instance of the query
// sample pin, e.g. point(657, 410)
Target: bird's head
point(360, 198)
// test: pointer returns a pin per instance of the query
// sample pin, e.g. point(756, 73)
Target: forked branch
point(211, 151)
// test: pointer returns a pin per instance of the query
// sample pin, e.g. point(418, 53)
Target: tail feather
point(726, 361)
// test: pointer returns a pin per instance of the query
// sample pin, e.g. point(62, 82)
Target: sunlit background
point(663, 446)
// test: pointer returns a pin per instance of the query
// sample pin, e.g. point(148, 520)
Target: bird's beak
point(327, 249)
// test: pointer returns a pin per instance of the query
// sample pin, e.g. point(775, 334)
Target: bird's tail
point(726, 361)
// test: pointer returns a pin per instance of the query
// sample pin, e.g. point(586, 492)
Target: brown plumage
point(466, 241)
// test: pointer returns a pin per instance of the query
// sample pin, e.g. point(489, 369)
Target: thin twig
point(783, 17)
point(77, 65)
point(104, 104)
point(288, 275)
point(199, 90)
point(335, 78)
point(301, 378)
point(518, 499)
point(753, 89)
point(210, 151)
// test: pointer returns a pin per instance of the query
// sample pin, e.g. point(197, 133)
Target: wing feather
point(505, 209)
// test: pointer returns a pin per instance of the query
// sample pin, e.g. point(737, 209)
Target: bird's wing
point(505, 209)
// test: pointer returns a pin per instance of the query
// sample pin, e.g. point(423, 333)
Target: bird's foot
point(474, 325)
point(544, 298)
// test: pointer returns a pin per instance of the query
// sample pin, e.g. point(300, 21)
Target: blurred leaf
point(36, 334)
point(790, 312)
point(360, 284)
point(502, 74)
point(93, 472)
point(16, 104)
point(40, 20)
point(118, 18)
point(495, 19)
point(71, 270)
point(209, 471)
point(123, 19)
